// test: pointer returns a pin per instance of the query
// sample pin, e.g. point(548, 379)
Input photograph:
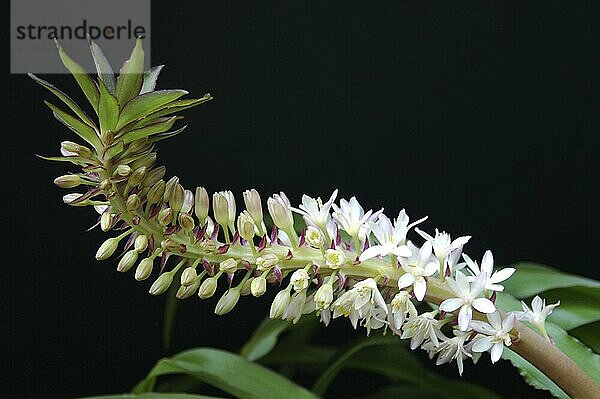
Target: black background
point(478, 114)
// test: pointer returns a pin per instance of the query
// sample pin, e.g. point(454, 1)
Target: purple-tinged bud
point(201, 204)
point(188, 201)
point(165, 216)
point(154, 175)
point(107, 248)
point(170, 186)
point(162, 283)
point(156, 192)
point(177, 197)
point(137, 176)
point(133, 202)
point(277, 274)
point(263, 243)
point(186, 222)
point(76, 149)
point(207, 267)
point(127, 261)
point(144, 269)
point(68, 181)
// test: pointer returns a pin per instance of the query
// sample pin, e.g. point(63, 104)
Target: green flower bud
point(144, 269)
point(281, 213)
point(266, 262)
point(224, 208)
point(187, 291)
point(141, 243)
point(68, 181)
point(188, 276)
point(78, 149)
point(133, 202)
point(259, 286)
point(228, 266)
point(177, 198)
point(228, 301)
point(107, 248)
point(201, 203)
point(173, 181)
point(127, 261)
point(137, 176)
point(207, 288)
point(123, 170)
point(138, 145)
point(323, 297)
point(186, 222)
point(106, 221)
point(161, 284)
point(247, 287)
point(165, 216)
point(280, 303)
point(146, 161)
point(245, 226)
point(156, 192)
point(154, 175)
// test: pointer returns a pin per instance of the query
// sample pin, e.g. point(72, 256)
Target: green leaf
point(589, 335)
point(129, 82)
point(160, 126)
point(532, 375)
point(169, 109)
point(578, 306)
point(105, 71)
point(150, 77)
point(145, 104)
point(65, 99)
point(74, 159)
point(228, 372)
point(264, 338)
point(87, 84)
point(108, 109)
point(394, 391)
point(531, 279)
point(75, 124)
point(153, 395)
point(166, 135)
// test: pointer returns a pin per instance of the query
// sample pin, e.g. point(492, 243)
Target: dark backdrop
point(479, 115)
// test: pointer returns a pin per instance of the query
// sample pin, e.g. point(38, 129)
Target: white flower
point(537, 314)
point(487, 266)
point(420, 328)
point(224, 208)
point(452, 261)
point(401, 305)
point(335, 258)
point(496, 334)
point(323, 297)
point(419, 265)
point(451, 349)
point(467, 298)
point(300, 280)
point(293, 312)
point(314, 237)
point(360, 303)
point(442, 243)
point(280, 210)
point(391, 238)
point(315, 212)
point(352, 218)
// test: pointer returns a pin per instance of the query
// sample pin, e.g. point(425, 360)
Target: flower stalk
point(345, 263)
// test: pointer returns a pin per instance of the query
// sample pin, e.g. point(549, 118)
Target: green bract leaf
point(146, 104)
point(84, 80)
point(170, 108)
point(75, 124)
point(166, 135)
point(228, 372)
point(264, 338)
point(153, 395)
point(75, 160)
point(65, 99)
point(531, 279)
point(160, 126)
point(129, 82)
point(150, 77)
point(578, 306)
point(105, 71)
point(108, 109)
point(532, 375)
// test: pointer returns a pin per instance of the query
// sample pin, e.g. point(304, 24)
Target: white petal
point(462, 283)
point(425, 236)
point(406, 280)
point(502, 275)
point(430, 269)
point(379, 300)
point(483, 344)
point(537, 304)
point(403, 251)
point(464, 317)
point(509, 322)
point(371, 252)
point(487, 263)
point(496, 352)
point(484, 305)
point(451, 304)
point(471, 264)
point(495, 320)
point(425, 252)
point(420, 287)
point(460, 241)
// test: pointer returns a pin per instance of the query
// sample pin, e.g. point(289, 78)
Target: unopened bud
point(228, 301)
point(188, 202)
point(254, 205)
point(107, 248)
point(141, 243)
point(266, 262)
point(146, 161)
point(161, 284)
point(144, 269)
point(154, 175)
point(133, 202)
point(170, 186)
point(228, 266)
point(138, 145)
point(314, 237)
point(280, 303)
point(300, 280)
point(75, 148)
point(187, 291)
point(246, 287)
point(245, 226)
point(207, 288)
point(137, 176)
point(201, 203)
point(259, 286)
point(169, 245)
point(186, 222)
point(156, 192)
point(68, 181)
point(106, 221)
point(107, 137)
point(188, 276)
point(323, 297)
point(224, 208)
point(127, 261)
point(165, 216)
point(123, 170)
point(281, 213)
point(177, 197)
